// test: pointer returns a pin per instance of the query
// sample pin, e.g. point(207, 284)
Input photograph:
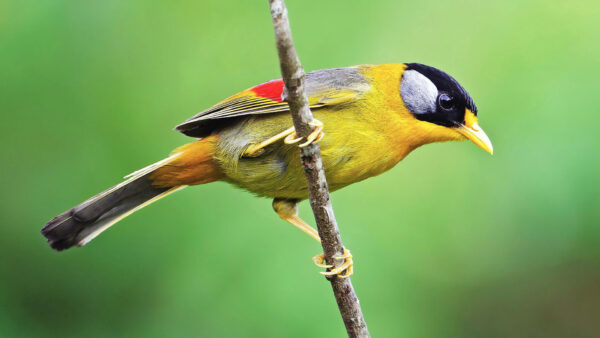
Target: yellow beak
point(472, 131)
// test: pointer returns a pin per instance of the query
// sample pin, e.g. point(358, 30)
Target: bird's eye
point(446, 102)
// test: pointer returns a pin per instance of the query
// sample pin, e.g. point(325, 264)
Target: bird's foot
point(315, 137)
point(344, 270)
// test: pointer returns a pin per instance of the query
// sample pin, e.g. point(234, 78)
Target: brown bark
point(293, 77)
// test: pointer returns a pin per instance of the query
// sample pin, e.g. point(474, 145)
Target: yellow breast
point(362, 139)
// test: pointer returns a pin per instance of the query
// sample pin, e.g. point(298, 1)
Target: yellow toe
point(344, 270)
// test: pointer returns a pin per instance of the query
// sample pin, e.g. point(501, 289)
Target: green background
point(450, 243)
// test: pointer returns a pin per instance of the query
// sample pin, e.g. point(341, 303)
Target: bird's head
point(435, 97)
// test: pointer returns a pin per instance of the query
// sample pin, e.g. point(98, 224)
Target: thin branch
point(293, 77)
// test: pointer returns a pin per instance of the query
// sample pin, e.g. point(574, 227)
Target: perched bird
point(367, 119)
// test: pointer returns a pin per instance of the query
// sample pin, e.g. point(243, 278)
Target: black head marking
point(444, 105)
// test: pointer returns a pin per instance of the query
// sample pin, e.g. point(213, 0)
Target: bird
point(368, 118)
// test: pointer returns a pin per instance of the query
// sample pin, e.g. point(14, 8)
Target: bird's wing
point(325, 87)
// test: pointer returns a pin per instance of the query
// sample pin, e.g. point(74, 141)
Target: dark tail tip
point(61, 231)
point(85, 221)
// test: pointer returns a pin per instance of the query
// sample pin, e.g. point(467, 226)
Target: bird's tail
point(189, 165)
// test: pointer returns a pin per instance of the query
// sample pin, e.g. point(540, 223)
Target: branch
point(318, 192)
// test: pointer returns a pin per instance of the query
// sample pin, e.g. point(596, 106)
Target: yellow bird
point(368, 118)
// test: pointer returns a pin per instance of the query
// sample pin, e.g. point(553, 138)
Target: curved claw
point(345, 270)
point(319, 259)
point(315, 137)
point(292, 138)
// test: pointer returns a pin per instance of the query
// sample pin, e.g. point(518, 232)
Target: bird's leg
point(257, 149)
point(289, 136)
point(315, 137)
point(288, 211)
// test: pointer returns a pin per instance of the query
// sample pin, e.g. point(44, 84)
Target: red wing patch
point(271, 90)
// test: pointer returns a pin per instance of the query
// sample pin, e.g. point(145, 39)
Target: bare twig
point(293, 77)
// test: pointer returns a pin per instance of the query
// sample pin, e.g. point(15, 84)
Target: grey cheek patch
point(418, 93)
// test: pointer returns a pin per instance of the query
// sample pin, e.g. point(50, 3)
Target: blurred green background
point(450, 243)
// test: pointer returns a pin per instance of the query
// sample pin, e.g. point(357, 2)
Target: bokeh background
point(450, 243)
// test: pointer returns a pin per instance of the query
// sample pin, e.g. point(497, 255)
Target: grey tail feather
point(87, 220)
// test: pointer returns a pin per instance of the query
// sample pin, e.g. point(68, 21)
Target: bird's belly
point(352, 150)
